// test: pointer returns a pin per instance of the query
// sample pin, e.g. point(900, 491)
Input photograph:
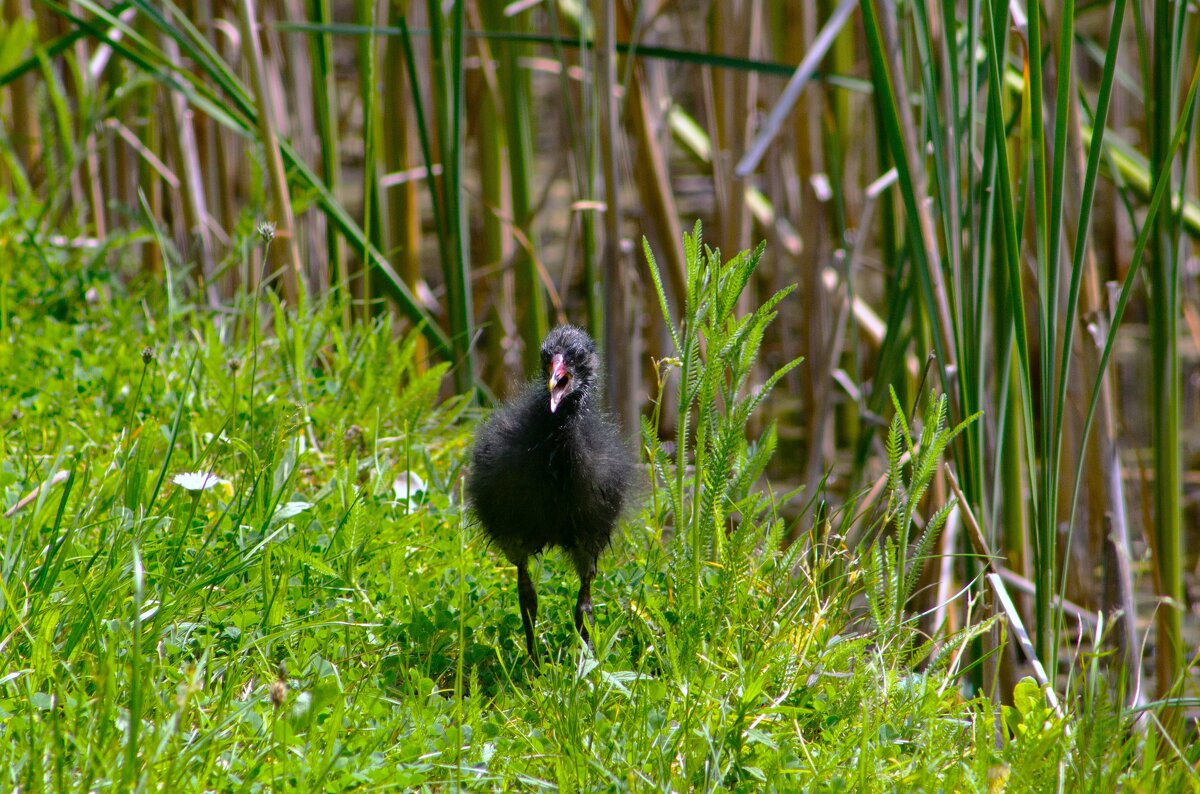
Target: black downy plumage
point(550, 469)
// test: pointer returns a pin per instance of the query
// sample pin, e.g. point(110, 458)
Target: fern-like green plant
point(715, 464)
point(893, 564)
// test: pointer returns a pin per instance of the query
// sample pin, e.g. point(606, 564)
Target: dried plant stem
point(184, 151)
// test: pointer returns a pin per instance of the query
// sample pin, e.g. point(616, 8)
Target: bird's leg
point(528, 597)
point(583, 608)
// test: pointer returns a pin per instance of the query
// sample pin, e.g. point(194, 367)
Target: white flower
point(408, 486)
point(197, 480)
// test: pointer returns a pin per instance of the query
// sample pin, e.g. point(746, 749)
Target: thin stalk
point(995, 28)
point(1045, 525)
point(448, 99)
point(400, 153)
point(1165, 394)
point(519, 114)
point(584, 136)
point(612, 315)
point(281, 203)
point(367, 11)
point(491, 142)
point(325, 103)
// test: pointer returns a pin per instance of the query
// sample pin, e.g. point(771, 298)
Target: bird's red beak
point(560, 379)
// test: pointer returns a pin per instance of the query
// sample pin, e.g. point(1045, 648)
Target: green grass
point(143, 626)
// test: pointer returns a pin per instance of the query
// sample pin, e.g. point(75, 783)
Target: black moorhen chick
point(550, 469)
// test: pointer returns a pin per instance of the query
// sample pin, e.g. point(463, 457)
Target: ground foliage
point(324, 616)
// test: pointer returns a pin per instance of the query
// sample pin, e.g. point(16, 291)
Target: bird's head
point(570, 366)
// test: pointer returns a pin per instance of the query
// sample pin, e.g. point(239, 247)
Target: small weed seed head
point(278, 688)
point(235, 364)
point(147, 355)
point(278, 692)
point(355, 439)
point(266, 230)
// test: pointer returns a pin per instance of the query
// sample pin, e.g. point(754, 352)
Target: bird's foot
point(584, 621)
point(528, 597)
